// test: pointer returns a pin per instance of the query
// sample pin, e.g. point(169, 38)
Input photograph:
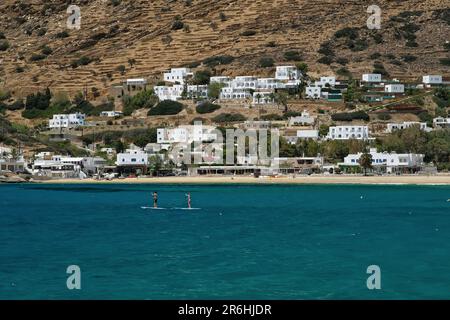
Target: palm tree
point(365, 161)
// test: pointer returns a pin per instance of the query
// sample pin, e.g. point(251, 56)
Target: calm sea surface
point(246, 242)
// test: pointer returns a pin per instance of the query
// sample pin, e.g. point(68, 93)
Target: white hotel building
point(348, 132)
point(387, 162)
point(391, 127)
point(287, 73)
point(371, 77)
point(177, 75)
point(67, 121)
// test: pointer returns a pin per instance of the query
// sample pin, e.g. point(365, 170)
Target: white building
point(261, 97)
point(391, 127)
point(387, 162)
point(304, 119)
point(177, 75)
point(169, 93)
point(197, 91)
point(313, 92)
point(348, 132)
point(132, 158)
point(111, 114)
point(269, 84)
point(136, 82)
point(287, 73)
point(432, 79)
point(394, 88)
point(371, 77)
point(441, 122)
point(186, 134)
point(326, 82)
point(67, 121)
point(229, 93)
point(308, 134)
point(244, 82)
point(221, 79)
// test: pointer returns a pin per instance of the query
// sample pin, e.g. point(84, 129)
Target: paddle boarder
point(155, 199)
point(188, 195)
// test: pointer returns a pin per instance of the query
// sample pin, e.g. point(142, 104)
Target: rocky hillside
point(140, 38)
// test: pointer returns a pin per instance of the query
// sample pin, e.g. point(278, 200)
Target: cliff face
point(140, 38)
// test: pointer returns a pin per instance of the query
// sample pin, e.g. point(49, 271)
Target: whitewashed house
point(169, 93)
point(197, 91)
point(313, 92)
point(371, 77)
point(326, 82)
point(269, 84)
point(441, 122)
point(304, 119)
point(287, 73)
point(308, 134)
point(432, 80)
point(111, 114)
point(74, 120)
point(394, 88)
point(221, 79)
point(186, 134)
point(391, 127)
point(132, 157)
point(229, 93)
point(348, 132)
point(177, 75)
point(244, 82)
point(387, 162)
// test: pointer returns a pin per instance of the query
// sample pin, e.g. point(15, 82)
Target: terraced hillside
point(120, 39)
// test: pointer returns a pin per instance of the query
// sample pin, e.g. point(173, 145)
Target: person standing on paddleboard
point(188, 195)
point(155, 199)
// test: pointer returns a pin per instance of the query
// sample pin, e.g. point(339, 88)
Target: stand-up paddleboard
point(152, 208)
point(186, 208)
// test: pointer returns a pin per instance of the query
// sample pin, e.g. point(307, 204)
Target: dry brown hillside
point(113, 32)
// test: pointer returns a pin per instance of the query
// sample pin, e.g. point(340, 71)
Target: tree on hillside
point(365, 161)
point(214, 90)
point(281, 98)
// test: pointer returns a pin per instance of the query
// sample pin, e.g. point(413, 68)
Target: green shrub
point(292, 56)
point(445, 61)
point(177, 25)
point(201, 77)
point(38, 57)
point(218, 60)
point(325, 60)
point(62, 35)
point(248, 33)
point(229, 117)
point(351, 33)
point(409, 58)
point(4, 45)
point(207, 107)
point(349, 116)
point(166, 107)
point(266, 62)
point(83, 61)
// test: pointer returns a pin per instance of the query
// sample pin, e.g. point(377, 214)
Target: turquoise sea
point(246, 242)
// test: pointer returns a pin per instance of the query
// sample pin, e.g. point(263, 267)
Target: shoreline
point(319, 179)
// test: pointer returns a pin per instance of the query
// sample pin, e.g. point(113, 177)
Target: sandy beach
point(442, 179)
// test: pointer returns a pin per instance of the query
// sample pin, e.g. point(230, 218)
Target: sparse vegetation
point(266, 62)
point(166, 107)
point(229, 117)
point(207, 107)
